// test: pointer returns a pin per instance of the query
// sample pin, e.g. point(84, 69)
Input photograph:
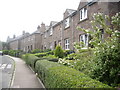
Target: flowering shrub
point(82, 62)
point(66, 62)
point(106, 50)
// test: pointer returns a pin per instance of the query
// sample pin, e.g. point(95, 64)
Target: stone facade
point(65, 32)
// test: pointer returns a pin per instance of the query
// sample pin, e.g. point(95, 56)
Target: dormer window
point(67, 23)
point(51, 31)
point(83, 14)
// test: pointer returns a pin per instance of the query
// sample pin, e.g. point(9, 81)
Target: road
point(6, 71)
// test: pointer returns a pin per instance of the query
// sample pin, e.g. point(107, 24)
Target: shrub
point(36, 51)
point(67, 52)
point(82, 62)
point(106, 51)
point(15, 53)
point(41, 68)
point(47, 50)
point(55, 75)
point(6, 52)
point(30, 59)
point(79, 56)
point(59, 52)
point(50, 52)
point(40, 54)
point(51, 58)
point(11, 52)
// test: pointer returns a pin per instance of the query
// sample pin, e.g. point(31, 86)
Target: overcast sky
point(19, 15)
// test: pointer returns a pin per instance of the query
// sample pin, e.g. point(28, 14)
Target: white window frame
point(67, 22)
point(83, 13)
point(67, 44)
point(84, 38)
point(51, 31)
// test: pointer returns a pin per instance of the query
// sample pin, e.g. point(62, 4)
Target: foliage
point(47, 50)
point(44, 53)
point(82, 54)
point(80, 61)
point(55, 75)
point(59, 52)
point(106, 51)
point(15, 53)
point(50, 52)
point(40, 54)
point(6, 52)
point(41, 51)
point(50, 56)
point(67, 52)
point(30, 59)
point(36, 51)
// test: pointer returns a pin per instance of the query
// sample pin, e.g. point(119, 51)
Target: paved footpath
point(24, 77)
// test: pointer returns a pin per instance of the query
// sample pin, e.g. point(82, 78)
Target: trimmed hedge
point(40, 54)
point(30, 60)
point(42, 67)
point(15, 53)
point(55, 75)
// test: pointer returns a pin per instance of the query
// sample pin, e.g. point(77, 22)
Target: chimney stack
point(38, 27)
point(14, 36)
point(42, 27)
point(23, 32)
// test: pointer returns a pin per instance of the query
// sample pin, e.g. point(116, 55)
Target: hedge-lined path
point(24, 77)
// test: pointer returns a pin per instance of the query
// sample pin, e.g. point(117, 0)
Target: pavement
point(23, 76)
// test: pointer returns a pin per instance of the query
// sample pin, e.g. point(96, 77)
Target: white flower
point(74, 62)
point(68, 63)
point(113, 46)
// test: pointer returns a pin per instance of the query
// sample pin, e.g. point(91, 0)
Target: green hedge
point(40, 54)
point(15, 53)
point(36, 51)
point(55, 75)
point(30, 59)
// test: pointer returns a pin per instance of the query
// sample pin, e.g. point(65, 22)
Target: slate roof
point(18, 37)
point(52, 23)
point(70, 11)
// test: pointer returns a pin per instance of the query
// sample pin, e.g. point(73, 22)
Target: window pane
point(83, 13)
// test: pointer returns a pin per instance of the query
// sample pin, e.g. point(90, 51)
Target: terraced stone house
point(65, 32)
